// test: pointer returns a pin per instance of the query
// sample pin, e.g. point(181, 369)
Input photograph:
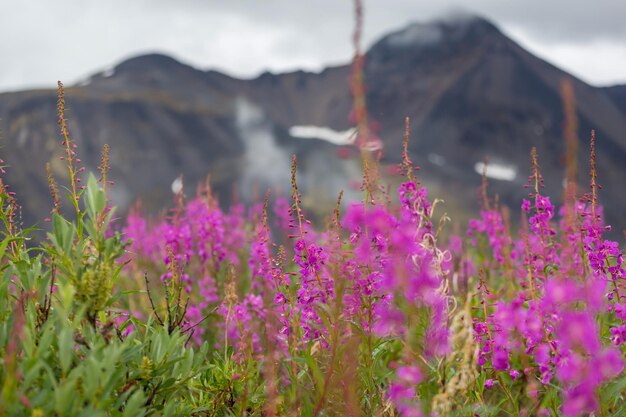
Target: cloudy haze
point(42, 41)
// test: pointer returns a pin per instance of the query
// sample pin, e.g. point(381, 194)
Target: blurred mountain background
point(471, 92)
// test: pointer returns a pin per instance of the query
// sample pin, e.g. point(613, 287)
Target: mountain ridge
point(470, 91)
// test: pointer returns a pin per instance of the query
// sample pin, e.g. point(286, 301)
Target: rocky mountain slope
point(471, 92)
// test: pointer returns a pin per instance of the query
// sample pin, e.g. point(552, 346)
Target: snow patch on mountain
point(335, 137)
point(417, 34)
point(436, 159)
point(108, 73)
point(496, 171)
point(431, 33)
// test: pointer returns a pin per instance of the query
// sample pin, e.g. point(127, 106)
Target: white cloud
point(601, 62)
point(43, 41)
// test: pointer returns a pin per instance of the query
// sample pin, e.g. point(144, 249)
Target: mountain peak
point(449, 28)
point(152, 70)
point(151, 60)
point(436, 41)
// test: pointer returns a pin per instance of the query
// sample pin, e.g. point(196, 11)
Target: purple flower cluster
point(568, 279)
point(546, 303)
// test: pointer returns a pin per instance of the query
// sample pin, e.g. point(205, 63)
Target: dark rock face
point(618, 94)
point(470, 91)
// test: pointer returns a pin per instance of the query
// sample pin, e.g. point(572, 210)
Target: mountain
point(471, 93)
point(618, 94)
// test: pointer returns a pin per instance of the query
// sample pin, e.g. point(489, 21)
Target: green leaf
point(95, 199)
point(134, 405)
point(66, 346)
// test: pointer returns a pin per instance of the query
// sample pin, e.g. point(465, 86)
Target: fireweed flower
point(585, 363)
point(282, 214)
point(566, 282)
point(491, 225)
point(408, 272)
point(541, 295)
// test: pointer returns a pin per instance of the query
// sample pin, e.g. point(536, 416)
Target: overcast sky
point(42, 41)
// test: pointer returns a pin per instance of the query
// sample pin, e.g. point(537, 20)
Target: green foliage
point(85, 257)
point(63, 353)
